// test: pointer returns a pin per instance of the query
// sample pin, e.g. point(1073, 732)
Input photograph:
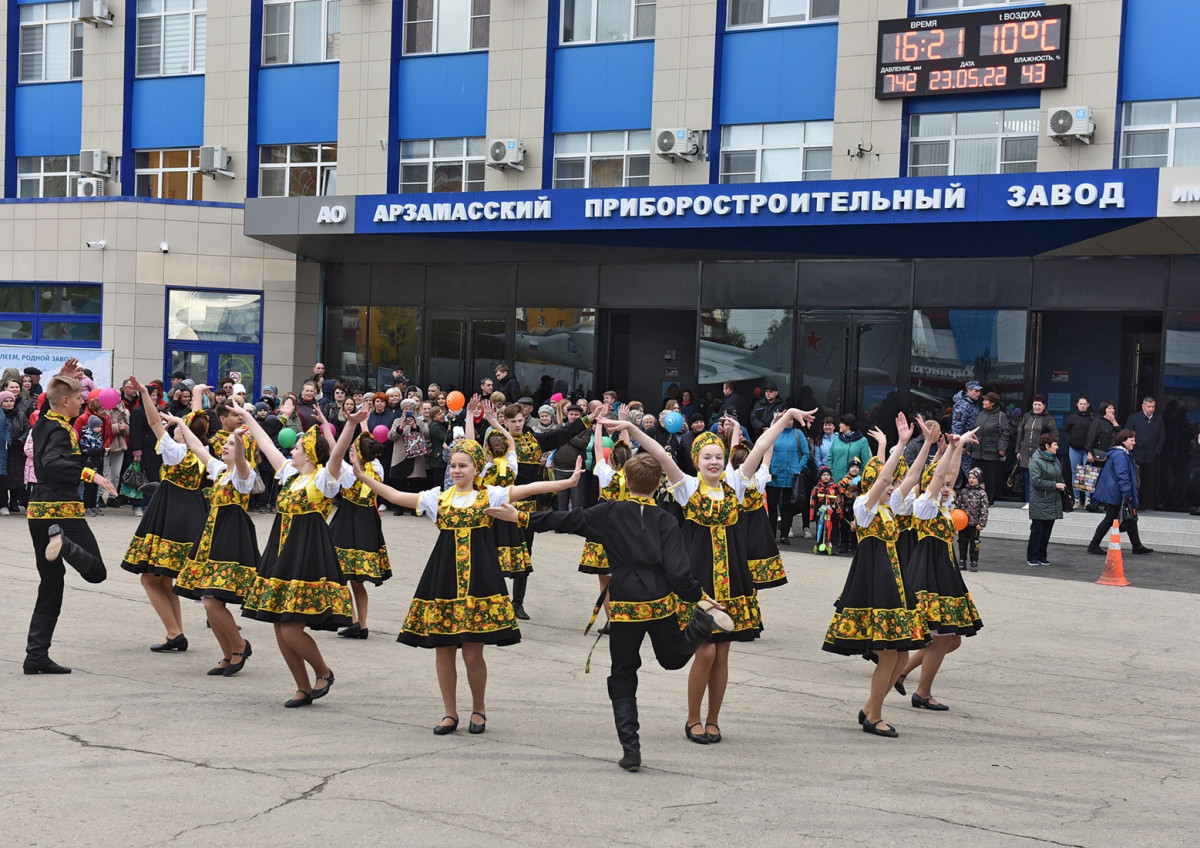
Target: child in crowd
point(91, 445)
point(825, 512)
point(972, 499)
point(850, 487)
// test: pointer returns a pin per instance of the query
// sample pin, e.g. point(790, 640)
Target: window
point(47, 176)
point(51, 42)
point(442, 164)
point(213, 316)
point(757, 13)
point(943, 5)
point(600, 21)
point(300, 32)
point(951, 346)
point(602, 159)
point(973, 143)
point(170, 37)
point(446, 26)
point(51, 313)
point(1161, 134)
point(764, 153)
point(297, 170)
point(751, 345)
point(168, 174)
point(554, 342)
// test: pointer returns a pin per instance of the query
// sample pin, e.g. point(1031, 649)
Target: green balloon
point(606, 442)
point(287, 438)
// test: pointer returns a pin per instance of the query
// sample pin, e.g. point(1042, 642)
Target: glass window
point(988, 142)
point(758, 13)
point(213, 316)
point(1161, 134)
point(63, 314)
point(443, 164)
point(952, 346)
point(301, 32)
point(168, 174)
point(345, 348)
point(942, 5)
point(51, 42)
point(1180, 408)
point(363, 342)
point(603, 21)
point(446, 26)
point(602, 159)
point(71, 300)
point(556, 343)
point(170, 37)
point(753, 346)
point(297, 170)
point(47, 176)
point(761, 153)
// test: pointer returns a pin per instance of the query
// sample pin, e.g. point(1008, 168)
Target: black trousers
point(1111, 511)
point(1039, 538)
point(50, 589)
point(779, 505)
point(624, 649)
point(992, 470)
point(968, 544)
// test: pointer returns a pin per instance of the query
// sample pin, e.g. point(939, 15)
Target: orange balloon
point(959, 518)
point(93, 394)
point(455, 401)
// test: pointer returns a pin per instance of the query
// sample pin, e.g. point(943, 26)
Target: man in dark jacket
point(564, 459)
point(764, 412)
point(506, 383)
point(1151, 436)
point(735, 403)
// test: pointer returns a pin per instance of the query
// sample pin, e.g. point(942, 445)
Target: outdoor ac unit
point(1071, 122)
point(94, 162)
point(678, 143)
point(506, 153)
point(89, 187)
point(95, 12)
point(214, 161)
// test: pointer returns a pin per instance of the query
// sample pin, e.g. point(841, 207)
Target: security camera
point(96, 245)
point(164, 247)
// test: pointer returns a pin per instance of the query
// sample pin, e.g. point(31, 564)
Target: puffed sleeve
point(684, 489)
point(329, 485)
point(604, 472)
point(925, 507)
point(864, 514)
point(738, 483)
point(171, 451)
point(497, 495)
point(427, 503)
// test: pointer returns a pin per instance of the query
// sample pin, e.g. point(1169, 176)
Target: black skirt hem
point(320, 621)
point(499, 639)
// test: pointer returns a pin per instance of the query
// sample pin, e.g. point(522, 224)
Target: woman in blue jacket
point(1118, 481)
point(788, 459)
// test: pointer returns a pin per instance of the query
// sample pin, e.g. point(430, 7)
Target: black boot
point(702, 626)
point(625, 715)
point(90, 568)
point(37, 648)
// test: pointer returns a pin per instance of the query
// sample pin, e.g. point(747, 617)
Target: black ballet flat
point(713, 738)
point(235, 667)
point(899, 684)
point(604, 631)
point(873, 728)
point(220, 669)
point(862, 717)
point(179, 643)
point(927, 704)
point(354, 631)
point(303, 701)
point(324, 690)
point(477, 728)
point(698, 738)
point(446, 729)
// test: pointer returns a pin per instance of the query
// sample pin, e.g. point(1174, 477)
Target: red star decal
point(813, 339)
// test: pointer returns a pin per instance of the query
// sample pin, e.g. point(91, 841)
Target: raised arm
point(271, 453)
point(198, 392)
point(904, 429)
point(198, 447)
point(948, 467)
point(646, 442)
point(929, 430)
point(334, 466)
point(152, 417)
point(766, 440)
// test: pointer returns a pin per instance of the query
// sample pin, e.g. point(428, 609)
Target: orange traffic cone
point(1114, 568)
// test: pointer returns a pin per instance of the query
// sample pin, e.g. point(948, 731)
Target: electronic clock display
point(1000, 50)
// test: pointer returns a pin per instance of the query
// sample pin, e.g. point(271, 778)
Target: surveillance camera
point(164, 247)
point(96, 245)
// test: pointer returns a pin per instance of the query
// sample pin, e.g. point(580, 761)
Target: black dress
point(173, 519)
point(936, 583)
point(357, 533)
point(223, 563)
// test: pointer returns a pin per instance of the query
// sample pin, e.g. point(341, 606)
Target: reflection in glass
point(213, 316)
point(557, 343)
point(749, 347)
point(394, 339)
point(243, 363)
point(952, 346)
point(1180, 463)
point(192, 363)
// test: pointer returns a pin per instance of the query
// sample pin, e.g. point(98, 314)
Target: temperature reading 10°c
point(1043, 36)
point(924, 45)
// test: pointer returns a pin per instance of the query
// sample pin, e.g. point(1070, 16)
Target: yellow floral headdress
point(871, 472)
point(927, 475)
point(901, 470)
point(474, 450)
point(310, 443)
point(704, 440)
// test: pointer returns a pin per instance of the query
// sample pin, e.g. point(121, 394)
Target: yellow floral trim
point(753, 499)
point(200, 576)
point(515, 559)
point(451, 617)
point(744, 611)
point(157, 553)
point(273, 595)
point(87, 475)
point(948, 613)
point(767, 572)
point(644, 610)
point(372, 565)
point(55, 509)
point(188, 474)
point(875, 626)
point(594, 560)
point(523, 519)
point(528, 449)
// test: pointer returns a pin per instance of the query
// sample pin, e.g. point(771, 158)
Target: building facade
point(868, 202)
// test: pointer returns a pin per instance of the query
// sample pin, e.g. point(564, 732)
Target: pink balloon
point(109, 398)
point(380, 433)
point(328, 428)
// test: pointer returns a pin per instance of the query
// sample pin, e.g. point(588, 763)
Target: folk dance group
point(689, 583)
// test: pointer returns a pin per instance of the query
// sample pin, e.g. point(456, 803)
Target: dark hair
point(1105, 404)
point(368, 448)
point(619, 455)
point(992, 398)
point(344, 387)
point(738, 455)
point(225, 408)
point(1037, 398)
point(642, 474)
point(849, 420)
point(512, 411)
point(828, 419)
point(322, 450)
point(497, 445)
point(199, 426)
point(1047, 440)
point(1122, 436)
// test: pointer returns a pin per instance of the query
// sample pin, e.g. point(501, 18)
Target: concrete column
point(364, 97)
point(516, 101)
point(684, 60)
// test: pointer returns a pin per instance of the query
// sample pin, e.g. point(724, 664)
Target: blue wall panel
point(603, 87)
point(48, 119)
point(779, 74)
point(973, 102)
point(168, 112)
point(298, 103)
point(1159, 61)
point(443, 96)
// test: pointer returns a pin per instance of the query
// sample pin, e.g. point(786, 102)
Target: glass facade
point(952, 346)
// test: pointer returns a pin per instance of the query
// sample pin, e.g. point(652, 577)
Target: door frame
point(468, 317)
point(853, 321)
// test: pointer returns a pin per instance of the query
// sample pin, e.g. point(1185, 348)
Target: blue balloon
point(673, 422)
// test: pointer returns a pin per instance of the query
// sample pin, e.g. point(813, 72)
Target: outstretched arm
point(472, 410)
point(519, 493)
point(407, 500)
point(766, 440)
point(918, 466)
point(947, 468)
point(647, 443)
point(152, 417)
point(875, 494)
point(272, 454)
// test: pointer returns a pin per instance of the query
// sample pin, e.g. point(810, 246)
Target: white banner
point(50, 359)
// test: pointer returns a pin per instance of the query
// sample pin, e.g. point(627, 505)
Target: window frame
point(435, 22)
point(331, 40)
point(765, 21)
point(323, 167)
point(465, 159)
point(969, 5)
point(195, 178)
point(1171, 127)
point(955, 137)
point(38, 318)
point(589, 156)
point(801, 151)
point(593, 21)
point(42, 174)
point(196, 57)
point(75, 41)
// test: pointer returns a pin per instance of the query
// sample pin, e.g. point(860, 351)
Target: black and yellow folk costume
point(933, 578)
point(594, 560)
point(906, 525)
point(461, 596)
point(511, 546)
point(298, 576)
point(762, 551)
point(716, 550)
point(174, 518)
point(224, 561)
point(217, 445)
point(357, 532)
point(871, 613)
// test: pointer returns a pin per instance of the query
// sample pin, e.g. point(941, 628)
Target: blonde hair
point(60, 387)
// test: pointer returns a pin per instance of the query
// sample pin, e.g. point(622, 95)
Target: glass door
point(465, 347)
point(205, 364)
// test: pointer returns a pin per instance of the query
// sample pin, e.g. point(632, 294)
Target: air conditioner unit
point(215, 161)
point(678, 143)
point(94, 162)
point(506, 153)
point(95, 12)
point(1070, 122)
point(89, 187)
